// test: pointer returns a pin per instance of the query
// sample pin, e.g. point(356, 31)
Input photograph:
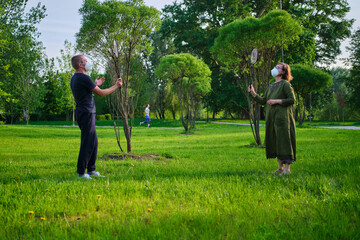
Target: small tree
point(66, 99)
point(353, 82)
point(235, 42)
point(190, 78)
point(307, 80)
point(117, 33)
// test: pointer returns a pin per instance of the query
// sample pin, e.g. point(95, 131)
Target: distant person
point(280, 130)
point(83, 87)
point(147, 116)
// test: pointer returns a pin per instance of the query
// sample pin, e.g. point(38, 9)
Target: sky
point(63, 22)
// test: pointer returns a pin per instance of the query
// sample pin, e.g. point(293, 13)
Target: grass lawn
point(209, 185)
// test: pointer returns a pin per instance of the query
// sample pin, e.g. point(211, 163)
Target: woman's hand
point(274, 101)
point(251, 90)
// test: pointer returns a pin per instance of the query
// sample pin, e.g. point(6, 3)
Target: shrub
point(100, 117)
point(108, 116)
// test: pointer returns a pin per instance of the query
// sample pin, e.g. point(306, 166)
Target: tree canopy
point(118, 33)
point(190, 79)
point(233, 46)
point(308, 80)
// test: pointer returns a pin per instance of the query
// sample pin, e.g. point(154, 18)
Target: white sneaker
point(141, 123)
point(85, 176)
point(94, 174)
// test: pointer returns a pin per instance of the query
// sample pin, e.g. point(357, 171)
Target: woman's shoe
point(285, 173)
point(277, 171)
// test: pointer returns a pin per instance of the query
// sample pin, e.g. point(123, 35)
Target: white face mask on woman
point(274, 72)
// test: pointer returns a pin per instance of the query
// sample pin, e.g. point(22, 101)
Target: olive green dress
point(280, 132)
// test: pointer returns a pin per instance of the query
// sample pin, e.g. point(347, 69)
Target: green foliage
point(117, 32)
point(65, 99)
point(156, 92)
point(326, 27)
point(353, 82)
point(190, 79)
point(307, 80)
point(236, 40)
point(212, 185)
point(20, 58)
point(127, 23)
point(193, 26)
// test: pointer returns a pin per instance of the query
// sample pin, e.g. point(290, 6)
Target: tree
point(190, 79)
point(117, 33)
point(66, 99)
point(306, 81)
point(353, 82)
point(193, 25)
point(21, 56)
point(235, 42)
point(325, 27)
point(157, 93)
point(29, 87)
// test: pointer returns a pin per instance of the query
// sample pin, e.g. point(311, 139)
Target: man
point(147, 116)
point(83, 87)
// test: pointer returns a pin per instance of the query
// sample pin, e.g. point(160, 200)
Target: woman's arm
point(256, 97)
point(289, 95)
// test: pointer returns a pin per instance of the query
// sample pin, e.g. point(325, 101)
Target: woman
point(280, 135)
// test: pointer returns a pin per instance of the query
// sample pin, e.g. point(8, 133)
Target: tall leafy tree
point(193, 25)
point(307, 81)
point(190, 79)
point(22, 56)
point(353, 82)
point(117, 33)
point(66, 99)
point(157, 93)
point(325, 24)
point(235, 42)
point(51, 82)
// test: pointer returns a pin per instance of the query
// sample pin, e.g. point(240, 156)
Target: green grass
point(210, 186)
point(136, 123)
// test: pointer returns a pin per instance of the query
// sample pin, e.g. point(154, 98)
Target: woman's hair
point(287, 72)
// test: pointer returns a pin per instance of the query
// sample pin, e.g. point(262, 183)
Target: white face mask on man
point(274, 72)
point(88, 66)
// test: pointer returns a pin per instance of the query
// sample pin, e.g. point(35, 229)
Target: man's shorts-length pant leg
point(89, 142)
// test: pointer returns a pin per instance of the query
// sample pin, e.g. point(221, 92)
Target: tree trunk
point(127, 133)
point(73, 117)
point(182, 116)
point(257, 124)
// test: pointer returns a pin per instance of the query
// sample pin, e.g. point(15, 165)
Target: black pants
point(89, 142)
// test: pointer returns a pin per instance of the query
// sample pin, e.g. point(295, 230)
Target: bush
point(100, 117)
point(108, 116)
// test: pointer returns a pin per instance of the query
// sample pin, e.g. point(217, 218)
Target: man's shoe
point(141, 123)
point(95, 174)
point(85, 176)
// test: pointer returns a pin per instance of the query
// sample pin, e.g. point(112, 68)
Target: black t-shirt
point(81, 86)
